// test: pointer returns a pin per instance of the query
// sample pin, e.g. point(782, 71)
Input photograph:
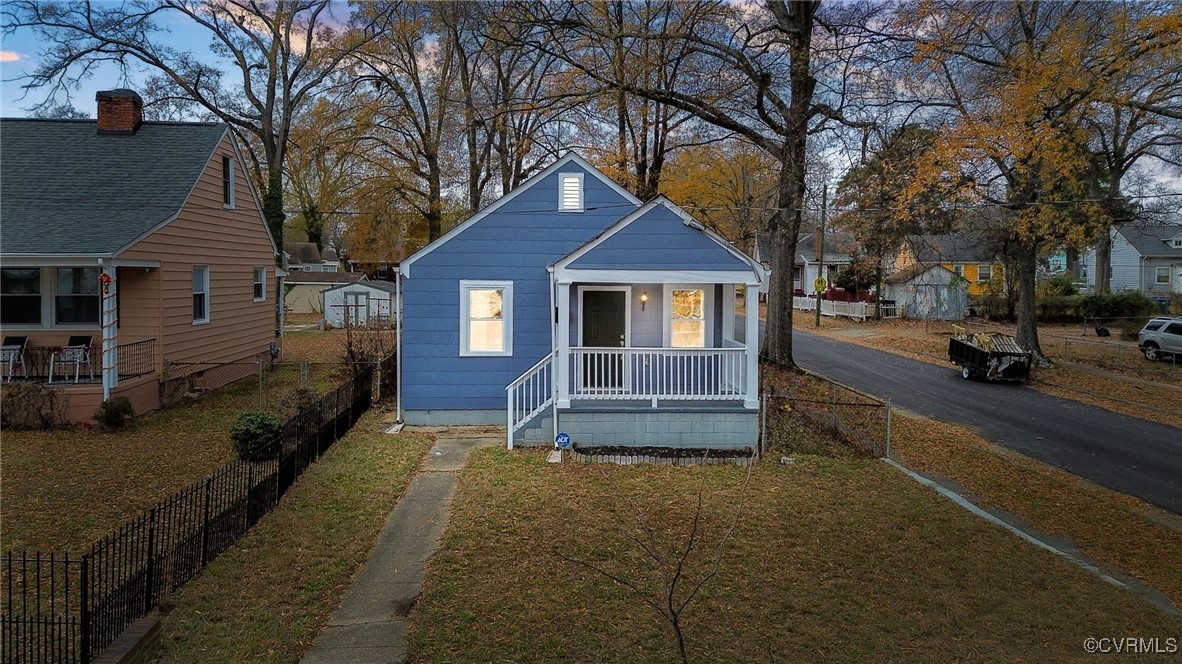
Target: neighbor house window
point(77, 296)
point(959, 270)
point(486, 318)
point(201, 294)
point(1178, 243)
point(227, 182)
point(687, 328)
point(1163, 275)
point(570, 192)
point(260, 284)
point(20, 296)
point(984, 272)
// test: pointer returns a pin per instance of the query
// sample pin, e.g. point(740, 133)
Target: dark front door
point(603, 321)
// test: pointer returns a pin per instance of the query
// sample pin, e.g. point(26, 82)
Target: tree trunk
point(1103, 274)
point(1027, 262)
point(273, 206)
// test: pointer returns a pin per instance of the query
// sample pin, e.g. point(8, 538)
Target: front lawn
point(64, 489)
point(268, 596)
point(832, 559)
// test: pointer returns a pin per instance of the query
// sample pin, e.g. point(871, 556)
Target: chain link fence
point(811, 414)
point(264, 384)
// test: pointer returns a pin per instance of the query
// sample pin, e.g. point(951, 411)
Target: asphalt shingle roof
point(1150, 240)
point(960, 248)
point(66, 189)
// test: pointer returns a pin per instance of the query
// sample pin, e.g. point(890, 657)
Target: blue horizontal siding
point(514, 243)
point(659, 239)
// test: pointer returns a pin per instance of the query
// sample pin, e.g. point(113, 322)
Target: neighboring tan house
point(304, 290)
point(1144, 258)
point(964, 254)
point(139, 241)
point(568, 306)
point(305, 257)
point(806, 267)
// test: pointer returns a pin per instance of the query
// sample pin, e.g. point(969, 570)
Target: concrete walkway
point(369, 627)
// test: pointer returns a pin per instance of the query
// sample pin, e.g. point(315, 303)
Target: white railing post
point(751, 386)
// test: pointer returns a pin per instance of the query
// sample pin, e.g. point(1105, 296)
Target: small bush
point(114, 413)
point(294, 401)
point(1060, 286)
point(256, 436)
point(33, 406)
point(1126, 304)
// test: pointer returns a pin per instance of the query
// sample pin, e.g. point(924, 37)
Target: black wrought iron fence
point(62, 608)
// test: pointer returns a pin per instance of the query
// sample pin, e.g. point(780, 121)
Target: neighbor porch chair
point(76, 352)
point(12, 353)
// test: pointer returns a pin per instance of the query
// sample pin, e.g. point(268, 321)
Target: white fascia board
point(568, 158)
point(602, 237)
point(52, 260)
point(565, 276)
point(126, 262)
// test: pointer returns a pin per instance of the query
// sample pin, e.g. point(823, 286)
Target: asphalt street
point(1141, 458)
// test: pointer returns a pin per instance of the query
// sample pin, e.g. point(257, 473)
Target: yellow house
point(964, 254)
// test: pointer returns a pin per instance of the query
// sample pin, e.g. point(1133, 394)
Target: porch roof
point(657, 243)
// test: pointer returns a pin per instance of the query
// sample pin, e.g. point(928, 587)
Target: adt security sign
point(562, 441)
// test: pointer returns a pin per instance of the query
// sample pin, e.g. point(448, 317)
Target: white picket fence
point(856, 310)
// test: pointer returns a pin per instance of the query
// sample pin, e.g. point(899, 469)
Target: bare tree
point(265, 62)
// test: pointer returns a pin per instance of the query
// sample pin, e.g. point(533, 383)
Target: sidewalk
point(369, 627)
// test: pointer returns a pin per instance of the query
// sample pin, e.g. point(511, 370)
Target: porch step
point(539, 432)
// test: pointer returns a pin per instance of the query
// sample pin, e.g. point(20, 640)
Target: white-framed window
point(20, 296)
point(984, 272)
point(260, 284)
point(1162, 275)
point(228, 183)
point(570, 192)
point(688, 317)
point(1177, 243)
point(959, 270)
point(50, 296)
point(76, 299)
point(486, 318)
point(200, 294)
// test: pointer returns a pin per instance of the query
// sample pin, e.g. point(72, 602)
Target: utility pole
point(820, 282)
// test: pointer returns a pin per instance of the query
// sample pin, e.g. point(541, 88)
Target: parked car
point(1161, 337)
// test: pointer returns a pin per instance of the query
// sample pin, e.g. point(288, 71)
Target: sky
point(20, 53)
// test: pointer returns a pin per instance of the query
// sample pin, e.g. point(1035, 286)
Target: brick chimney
point(119, 111)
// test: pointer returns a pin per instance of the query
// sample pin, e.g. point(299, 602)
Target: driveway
point(1134, 456)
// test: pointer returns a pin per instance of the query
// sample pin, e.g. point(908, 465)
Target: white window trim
point(707, 313)
point(506, 317)
point(255, 272)
point(48, 297)
point(228, 166)
point(988, 266)
point(562, 178)
point(1157, 275)
point(208, 297)
point(627, 310)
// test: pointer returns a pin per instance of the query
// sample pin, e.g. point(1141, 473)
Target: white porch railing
point(856, 310)
point(530, 395)
point(707, 374)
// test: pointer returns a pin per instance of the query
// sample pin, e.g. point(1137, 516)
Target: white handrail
point(530, 394)
point(706, 374)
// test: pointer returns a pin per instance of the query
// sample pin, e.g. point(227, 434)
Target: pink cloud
point(9, 56)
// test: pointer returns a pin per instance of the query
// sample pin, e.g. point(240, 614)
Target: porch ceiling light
point(643, 299)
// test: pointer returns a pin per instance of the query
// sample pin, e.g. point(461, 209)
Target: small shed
point(361, 304)
point(928, 292)
point(304, 288)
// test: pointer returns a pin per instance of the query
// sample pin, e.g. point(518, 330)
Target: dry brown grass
point(832, 560)
point(267, 598)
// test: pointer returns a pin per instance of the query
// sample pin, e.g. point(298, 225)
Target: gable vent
point(570, 192)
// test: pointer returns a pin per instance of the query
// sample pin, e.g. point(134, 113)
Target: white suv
point(1160, 338)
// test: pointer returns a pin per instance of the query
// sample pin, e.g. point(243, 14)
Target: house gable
point(658, 237)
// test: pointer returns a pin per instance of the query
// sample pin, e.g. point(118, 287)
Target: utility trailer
point(989, 356)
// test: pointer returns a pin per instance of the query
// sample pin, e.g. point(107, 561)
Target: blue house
point(568, 305)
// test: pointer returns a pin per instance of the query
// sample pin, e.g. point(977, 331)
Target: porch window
point(77, 298)
point(20, 296)
point(200, 294)
point(486, 318)
point(984, 272)
point(688, 327)
point(228, 183)
point(260, 284)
